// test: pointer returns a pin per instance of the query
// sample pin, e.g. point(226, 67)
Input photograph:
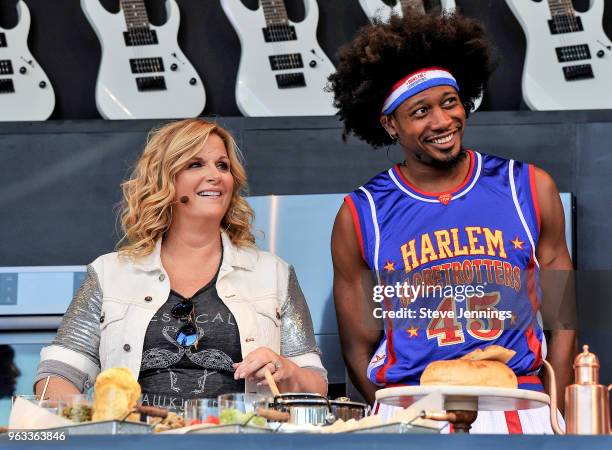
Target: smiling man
point(446, 216)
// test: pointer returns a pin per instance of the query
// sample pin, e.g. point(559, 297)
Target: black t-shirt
point(171, 373)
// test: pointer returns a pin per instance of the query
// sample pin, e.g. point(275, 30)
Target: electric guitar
point(143, 73)
point(283, 71)
point(25, 91)
point(568, 64)
point(377, 9)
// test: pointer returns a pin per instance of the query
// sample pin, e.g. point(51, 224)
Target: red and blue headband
point(415, 83)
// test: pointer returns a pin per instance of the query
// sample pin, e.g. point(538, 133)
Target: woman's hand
point(255, 363)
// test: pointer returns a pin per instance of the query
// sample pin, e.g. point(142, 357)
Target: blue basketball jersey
point(456, 270)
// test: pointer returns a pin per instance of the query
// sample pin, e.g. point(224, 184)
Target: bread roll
point(491, 353)
point(116, 394)
point(462, 372)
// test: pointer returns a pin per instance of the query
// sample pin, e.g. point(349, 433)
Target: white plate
point(486, 398)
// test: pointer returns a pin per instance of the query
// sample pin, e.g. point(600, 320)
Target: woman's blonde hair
point(149, 194)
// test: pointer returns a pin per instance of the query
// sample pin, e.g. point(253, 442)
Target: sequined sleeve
point(74, 353)
point(297, 335)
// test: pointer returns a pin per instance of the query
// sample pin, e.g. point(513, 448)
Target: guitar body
point(161, 92)
point(377, 9)
point(25, 91)
point(258, 90)
point(545, 85)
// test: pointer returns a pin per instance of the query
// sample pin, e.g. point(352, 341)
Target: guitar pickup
point(146, 65)
point(565, 23)
point(288, 61)
point(6, 86)
point(151, 84)
point(290, 80)
point(140, 36)
point(2, 40)
point(573, 53)
point(279, 33)
point(6, 67)
point(580, 72)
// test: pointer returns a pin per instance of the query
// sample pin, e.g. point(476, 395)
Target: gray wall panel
point(594, 174)
point(57, 170)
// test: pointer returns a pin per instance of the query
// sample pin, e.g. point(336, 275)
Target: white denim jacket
point(106, 322)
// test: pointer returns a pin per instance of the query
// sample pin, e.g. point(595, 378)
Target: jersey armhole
point(356, 223)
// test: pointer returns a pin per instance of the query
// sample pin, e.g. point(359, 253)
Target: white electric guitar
point(377, 9)
point(283, 71)
point(568, 64)
point(25, 90)
point(143, 73)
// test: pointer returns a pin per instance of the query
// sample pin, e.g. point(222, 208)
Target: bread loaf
point(491, 353)
point(463, 372)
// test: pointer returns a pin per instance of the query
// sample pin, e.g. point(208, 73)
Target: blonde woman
point(188, 302)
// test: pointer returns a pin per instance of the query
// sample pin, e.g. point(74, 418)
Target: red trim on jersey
point(532, 291)
point(355, 216)
point(514, 422)
point(533, 342)
point(528, 379)
point(381, 374)
point(534, 193)
point(437, 194)
point(376, 408)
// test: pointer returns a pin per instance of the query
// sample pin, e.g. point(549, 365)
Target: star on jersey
point(518, 244)
point(389, 266)
point(412, 331)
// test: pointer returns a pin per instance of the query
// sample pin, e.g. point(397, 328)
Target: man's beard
point(449, 163)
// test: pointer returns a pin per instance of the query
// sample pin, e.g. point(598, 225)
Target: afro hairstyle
point(383, 53)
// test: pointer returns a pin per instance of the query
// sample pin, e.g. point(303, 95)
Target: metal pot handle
point(330, 417)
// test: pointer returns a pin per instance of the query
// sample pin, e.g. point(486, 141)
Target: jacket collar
point(233, 257)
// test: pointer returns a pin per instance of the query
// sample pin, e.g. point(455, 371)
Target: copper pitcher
point(587, 403)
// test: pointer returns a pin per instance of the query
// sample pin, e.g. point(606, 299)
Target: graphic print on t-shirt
point(171, 373)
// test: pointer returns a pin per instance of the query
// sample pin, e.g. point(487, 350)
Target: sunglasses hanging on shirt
point(187, 335)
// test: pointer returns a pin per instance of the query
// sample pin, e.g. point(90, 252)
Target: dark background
point(65, 45)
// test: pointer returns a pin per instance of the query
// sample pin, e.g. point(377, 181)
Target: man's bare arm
point(359, 336)
point(557, 273)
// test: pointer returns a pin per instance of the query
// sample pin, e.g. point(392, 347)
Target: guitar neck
point(561, 8)
point(275, 12)
point(135, 13)
point(415, 5)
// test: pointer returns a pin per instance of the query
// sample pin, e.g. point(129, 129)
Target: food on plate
point(213, 420)
point(491, 353)
point(465, 372)
point(230, 416)
point(116, 394)
point(170, 422)
point(77, 413)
